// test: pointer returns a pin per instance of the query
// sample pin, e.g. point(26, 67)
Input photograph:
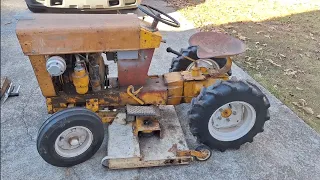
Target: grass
point(283, 45)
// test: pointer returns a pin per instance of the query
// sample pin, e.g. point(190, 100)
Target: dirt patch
point(283, 46)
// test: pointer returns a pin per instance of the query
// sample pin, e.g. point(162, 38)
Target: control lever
point(170, 50)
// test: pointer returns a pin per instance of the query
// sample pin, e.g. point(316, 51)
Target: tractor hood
point(78, 33)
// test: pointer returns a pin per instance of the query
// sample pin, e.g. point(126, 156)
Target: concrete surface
point(288, 148)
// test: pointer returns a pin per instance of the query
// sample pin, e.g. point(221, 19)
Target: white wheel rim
point(207, 157)
point(73, 141)
point(238, 124)
point(207, 63)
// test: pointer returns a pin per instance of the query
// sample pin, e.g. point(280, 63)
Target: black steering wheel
point(156, 15)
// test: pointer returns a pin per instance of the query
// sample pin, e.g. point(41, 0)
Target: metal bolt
point(74, 142)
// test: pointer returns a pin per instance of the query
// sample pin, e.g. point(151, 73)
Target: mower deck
point(125, 150)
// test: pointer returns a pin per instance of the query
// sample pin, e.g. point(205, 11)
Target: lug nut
point(234, 112)
point(228, 119)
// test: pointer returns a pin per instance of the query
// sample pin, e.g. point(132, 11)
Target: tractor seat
point(213, 44)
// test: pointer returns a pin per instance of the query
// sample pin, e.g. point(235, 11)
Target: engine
point(78, 73)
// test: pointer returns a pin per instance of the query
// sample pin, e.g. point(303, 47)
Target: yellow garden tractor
point(69, 55)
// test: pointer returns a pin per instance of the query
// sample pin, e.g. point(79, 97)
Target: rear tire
point(70, 136)
point(249, 111)
point(180, 64)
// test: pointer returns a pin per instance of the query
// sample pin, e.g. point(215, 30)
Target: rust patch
point(78, 33)
point(174, 148)
point(135, 71)
point(213, 44)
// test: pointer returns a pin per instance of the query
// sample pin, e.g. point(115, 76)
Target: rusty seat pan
point(72, 33)
point(213, 44)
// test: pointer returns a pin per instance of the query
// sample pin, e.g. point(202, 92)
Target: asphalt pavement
point(287, 149)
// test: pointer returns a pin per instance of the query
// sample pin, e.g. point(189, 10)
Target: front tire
point(70, 137)
point(228, 114)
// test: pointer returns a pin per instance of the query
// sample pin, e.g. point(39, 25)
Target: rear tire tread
point(216, 92)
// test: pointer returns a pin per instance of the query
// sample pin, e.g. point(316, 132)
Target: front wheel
point(228, 114)
point(70, 136)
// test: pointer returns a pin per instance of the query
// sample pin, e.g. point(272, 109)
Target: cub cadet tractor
point(69, 54)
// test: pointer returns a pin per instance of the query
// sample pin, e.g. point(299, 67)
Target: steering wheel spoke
point(156, 14)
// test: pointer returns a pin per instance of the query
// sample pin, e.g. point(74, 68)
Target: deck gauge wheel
point(204, 149)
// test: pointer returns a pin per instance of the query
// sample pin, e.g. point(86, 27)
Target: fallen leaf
point(248, 58)
point(243, 38)
point(234, 31)
point(282, 55)
point(265, 45)
point(228, 26)
point(267, 36)
point(318, 116)
point(302, 102)
point(297, 104)
point(273, 63)
point(308, 110)
point(290, 72)
point(257, 43)
point(272, 28)
point(299, 89)
point(259, 61)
